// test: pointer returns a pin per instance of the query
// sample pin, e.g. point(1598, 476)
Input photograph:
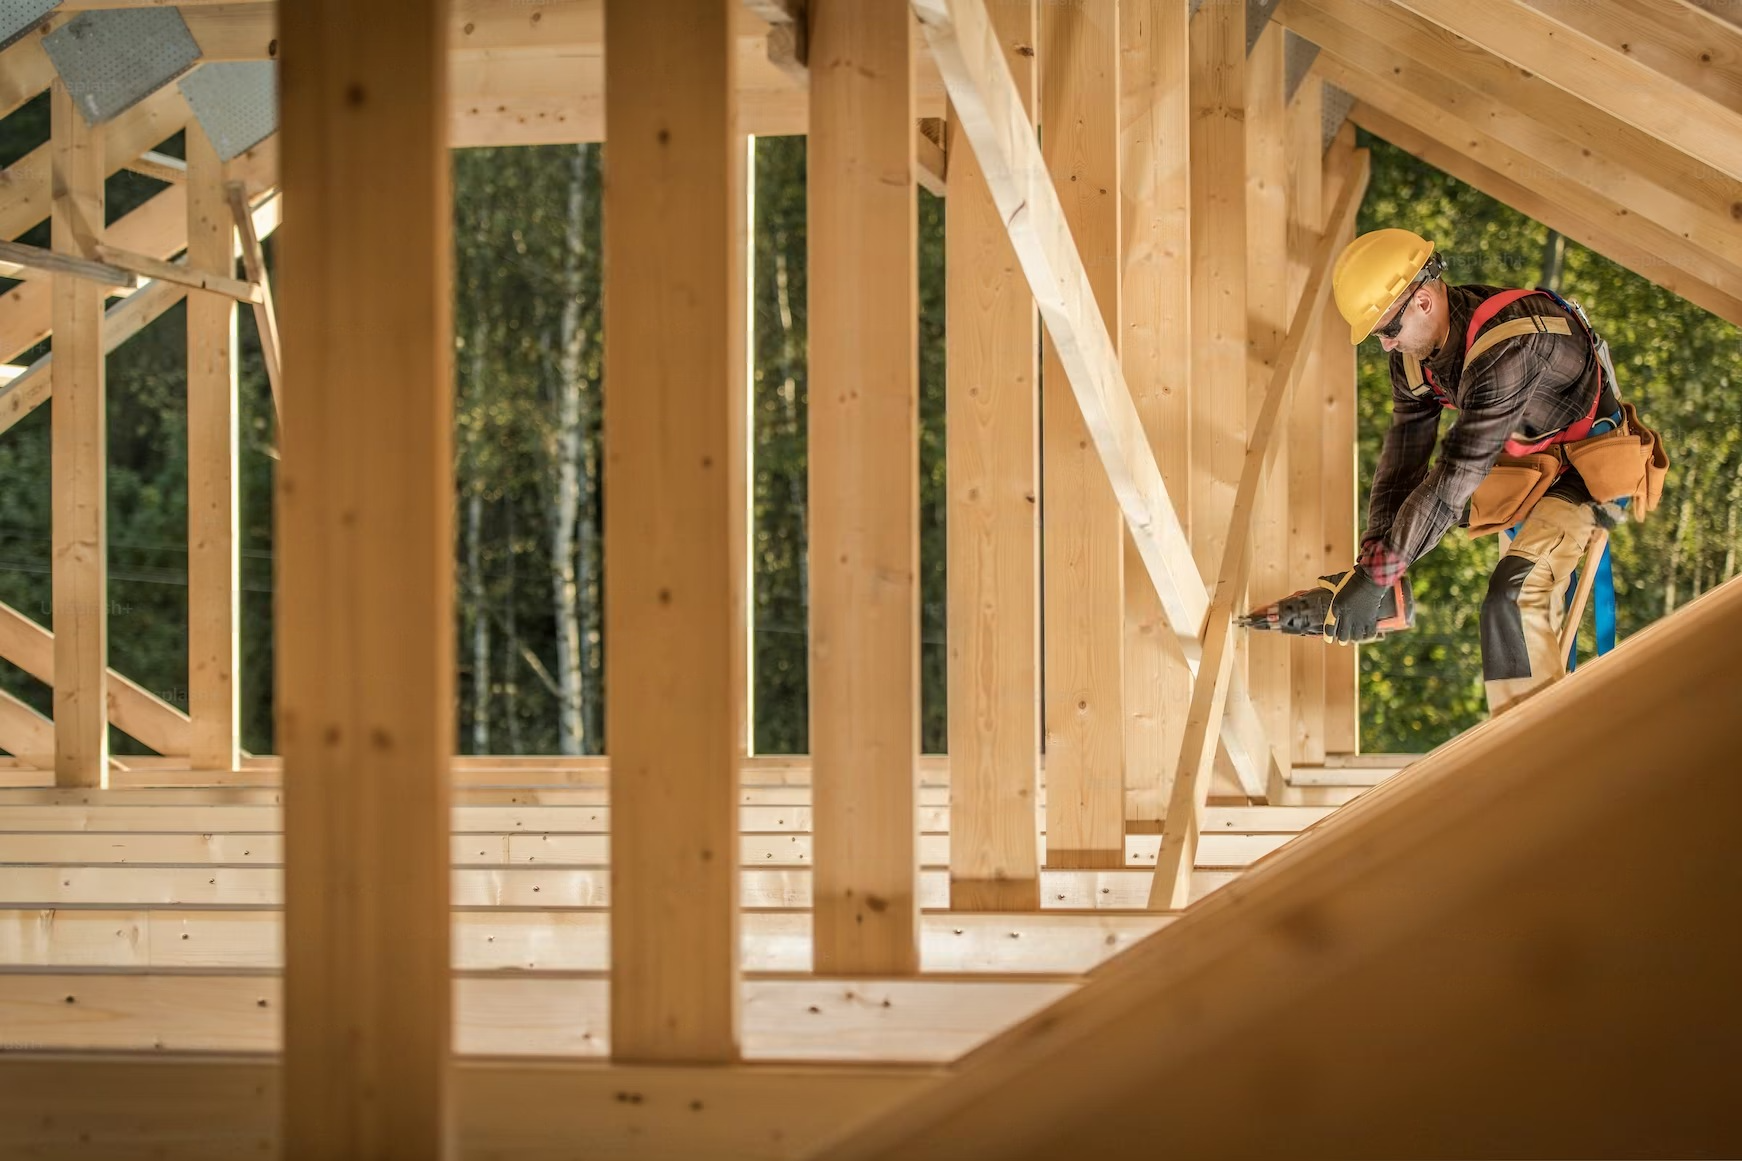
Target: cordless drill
point(1308, 612)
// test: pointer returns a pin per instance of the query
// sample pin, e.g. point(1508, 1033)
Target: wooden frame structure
point(1046, 942)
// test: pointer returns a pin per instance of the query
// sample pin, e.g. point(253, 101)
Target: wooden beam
point(132, 709)
point(1155, 356)
point(788, 35)
point(1002, 136)
point(776, 850)
point(1179, 848)
point(171, 939)
point(675, 441)
point(25, 733)
point(772, 888)
point(1512, 100)
point(1342, 496)
point(265, 312)
point(930, 163)
point(1082, 569)
point(993, 528)
point(1219, 315)
point(929, 1021)
point(864, 479)
point(1306, 435)
point(214, 566)
point(25, 71)
point(1656, 253)
point(1268, 308)
point(1402, 925)
point(51, 262)
point(1547, 135)
point(1685, 46)
point(365, 642)
point(623, 1112)
point(25, 392)
point(158, 228)
point(79, 449)
point(127, 262)
point(161, 166)
point(27, 192)
point(1579, 52)
point(26, 310)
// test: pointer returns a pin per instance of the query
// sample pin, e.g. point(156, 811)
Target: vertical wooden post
point(1219, 368)
point(1083, 570)
point(214, 625)
point(994, 528)
point(78, 443)
point(675, 443)
point(1306, 438)
point(1342, 503)
point(864, 481)
point(365, 583)
point(1268, 309)
point(1155, 351)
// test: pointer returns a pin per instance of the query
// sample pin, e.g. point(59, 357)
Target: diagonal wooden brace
point(991, 116)
point(1171, 889)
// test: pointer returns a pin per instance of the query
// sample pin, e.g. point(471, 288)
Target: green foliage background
point(514, 271)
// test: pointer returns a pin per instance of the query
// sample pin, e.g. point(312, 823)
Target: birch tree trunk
point(474, 580)
point(1678, 542)
point(794, 422)
point(565, 501)
point(480, 621)
point(511, 625)
point(1730, 539)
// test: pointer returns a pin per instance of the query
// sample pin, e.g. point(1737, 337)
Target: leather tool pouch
point(1510, 490)
point(1627, 463)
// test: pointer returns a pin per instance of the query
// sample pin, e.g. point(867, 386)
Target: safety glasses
point(1395, 327)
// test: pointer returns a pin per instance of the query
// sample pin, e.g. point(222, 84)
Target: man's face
point(1417, 335)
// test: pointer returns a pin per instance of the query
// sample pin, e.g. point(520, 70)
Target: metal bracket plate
point(112, 59)
point(18, 17)
point(236, 103)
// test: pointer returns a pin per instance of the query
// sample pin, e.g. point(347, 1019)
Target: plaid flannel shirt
point(1526, 388)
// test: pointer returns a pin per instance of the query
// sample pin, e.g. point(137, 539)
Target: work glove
point(1355, 608)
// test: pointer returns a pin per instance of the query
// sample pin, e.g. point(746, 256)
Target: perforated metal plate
point(18, 17)
point(1298, 56)
point(236, 103)
point(111, 60)
point(1337, 106)
point(1258, 13)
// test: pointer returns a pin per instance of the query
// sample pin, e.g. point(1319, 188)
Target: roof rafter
point(1576, 49)
point(1551, 211)
point(1652, 248)
point(1541, 122)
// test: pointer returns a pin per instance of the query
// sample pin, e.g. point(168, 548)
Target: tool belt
point(1628, 463)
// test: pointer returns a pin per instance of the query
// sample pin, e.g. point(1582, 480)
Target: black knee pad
point(1504, 654)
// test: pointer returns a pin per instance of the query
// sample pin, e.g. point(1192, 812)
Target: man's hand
point(1355, 608)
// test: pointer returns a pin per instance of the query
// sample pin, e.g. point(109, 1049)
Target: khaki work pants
point(1526, 602)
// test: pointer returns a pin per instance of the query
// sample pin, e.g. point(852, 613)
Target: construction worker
point(1530, 383)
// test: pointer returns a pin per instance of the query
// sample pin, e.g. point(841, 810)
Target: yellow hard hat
point(1372, 273)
